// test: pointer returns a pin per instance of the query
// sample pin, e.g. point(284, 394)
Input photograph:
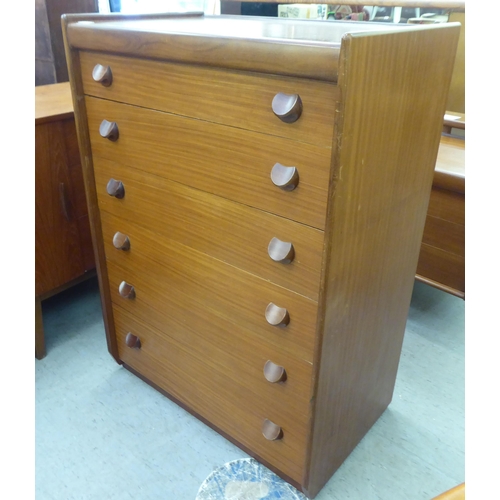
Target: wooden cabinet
point(258, 191)
point(63, 251)
point(442, 255)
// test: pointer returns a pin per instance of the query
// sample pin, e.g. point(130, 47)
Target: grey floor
point(101, 433)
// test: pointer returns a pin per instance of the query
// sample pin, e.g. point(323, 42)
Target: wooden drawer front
point(442, 267)
point(236, 359)
point(229, 405)
point(239, 99)
point(196, 288)
point(444, 234)
point(228, 162)
point(228, 231)
point(447, 205)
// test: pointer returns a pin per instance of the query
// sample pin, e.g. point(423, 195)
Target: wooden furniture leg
point(40, 351)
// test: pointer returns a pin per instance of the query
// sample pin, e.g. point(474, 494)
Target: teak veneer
point(258, 190)
point(63, 245)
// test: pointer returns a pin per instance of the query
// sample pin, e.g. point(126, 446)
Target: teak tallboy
point(257, 190)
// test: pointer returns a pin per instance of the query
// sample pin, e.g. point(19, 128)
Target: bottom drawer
point(221, 400)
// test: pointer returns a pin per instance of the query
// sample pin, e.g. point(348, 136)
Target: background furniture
point(256, 229)
point(63, 253)
point(442, 255)
point(50, 61)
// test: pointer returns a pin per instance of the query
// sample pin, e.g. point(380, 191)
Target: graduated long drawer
point(189, 285)
point(233, 359)
point(229, 231)
point(227, 161)
point(224, 402)
point(235, 98)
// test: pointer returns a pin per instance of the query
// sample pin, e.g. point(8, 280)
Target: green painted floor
point(101, 433)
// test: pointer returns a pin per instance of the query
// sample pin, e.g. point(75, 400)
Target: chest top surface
point(290, 47)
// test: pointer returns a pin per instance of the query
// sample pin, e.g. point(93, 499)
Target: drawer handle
point(271, 431)
point(287, 107)
point(126, 290)
point(109, 130)
point(121, 241)
point(281, 251)
point(115, 188)
point(277, 316)
point(132, 341)
point(286, 178)
point(274, 373)
point(102, 74)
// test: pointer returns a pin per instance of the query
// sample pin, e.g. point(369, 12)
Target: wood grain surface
point(53, 102)
point(227, 161)
point(377, 214)
point(230, 98)
point(73, 61)
point(215, 397)
point(62, 234)
point(228, 231)
point(366, 182)
point(193, 286)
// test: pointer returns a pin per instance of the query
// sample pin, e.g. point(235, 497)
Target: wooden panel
point(228, 231)
point(53, 102)
point(445, 269)
point(58, 256)
point(226, 161)
point(447, 205)
point(238, 99)
point(377, 216)
point(456, 96)
point(202, 289)
point(215, 397)
point(446, 235)
point(232, 357)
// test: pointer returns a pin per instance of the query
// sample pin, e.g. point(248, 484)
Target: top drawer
point(238, 99)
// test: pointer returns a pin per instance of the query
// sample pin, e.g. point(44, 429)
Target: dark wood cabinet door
point(62, 234)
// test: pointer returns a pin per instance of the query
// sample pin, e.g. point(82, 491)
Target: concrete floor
point(101, 433)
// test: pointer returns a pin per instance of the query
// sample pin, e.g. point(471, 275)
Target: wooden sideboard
point(257, 191)
point(63, 251)
point(442, 254)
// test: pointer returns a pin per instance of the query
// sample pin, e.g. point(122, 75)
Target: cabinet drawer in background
point(229, 162)
point(229, 231)
point(233, 98)
point(206, 291)
point(218, 399)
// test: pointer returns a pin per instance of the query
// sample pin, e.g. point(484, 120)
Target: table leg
point(40, 351)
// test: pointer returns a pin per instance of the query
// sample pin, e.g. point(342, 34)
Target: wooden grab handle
point(286, 178)
point(109, 130)
point(132, 341)
point(121, 241)
point(65, 204)
point(274, 373)
point(103, 75)
point(281, 251)
point(126, 290)
point(287, 107)
point(277, 316)
point(271, 431)
point(115, 188)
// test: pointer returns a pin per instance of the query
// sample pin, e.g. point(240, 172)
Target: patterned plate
point(246, 479)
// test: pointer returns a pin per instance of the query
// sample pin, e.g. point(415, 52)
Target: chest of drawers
point(258, 191)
